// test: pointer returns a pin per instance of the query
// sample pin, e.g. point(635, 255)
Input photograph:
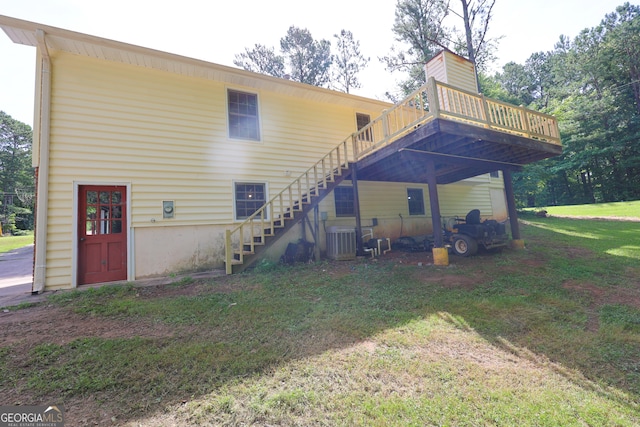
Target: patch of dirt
point(49, 324)
point(450, 282)
point(573, 252)
point(25, 329)
point(601, 296)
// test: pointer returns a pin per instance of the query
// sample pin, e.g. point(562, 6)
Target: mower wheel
point(464, 245)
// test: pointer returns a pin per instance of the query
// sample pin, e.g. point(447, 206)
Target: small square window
point(249, 197)
point(494, 174)
point(343, 197)
point(243, 115)
point(415, 198)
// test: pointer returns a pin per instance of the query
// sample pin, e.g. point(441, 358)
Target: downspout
point(43, 94)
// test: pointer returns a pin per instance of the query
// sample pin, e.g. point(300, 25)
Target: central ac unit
point(341, 243)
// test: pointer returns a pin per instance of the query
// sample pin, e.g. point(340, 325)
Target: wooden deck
point(457, 133)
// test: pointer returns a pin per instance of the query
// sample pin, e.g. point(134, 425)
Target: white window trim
point(424, 200)
point(248, 181)
point(226, 109)
point(335, 208)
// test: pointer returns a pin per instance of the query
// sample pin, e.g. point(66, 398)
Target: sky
point(217, 30)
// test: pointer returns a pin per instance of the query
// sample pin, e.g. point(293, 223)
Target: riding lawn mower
point(464, 236)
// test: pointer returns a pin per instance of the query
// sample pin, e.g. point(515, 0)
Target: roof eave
point(23, 32)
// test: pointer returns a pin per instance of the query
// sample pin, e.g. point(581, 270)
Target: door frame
point(75, 220)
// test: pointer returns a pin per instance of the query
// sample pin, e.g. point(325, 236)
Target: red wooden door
point(102, 249)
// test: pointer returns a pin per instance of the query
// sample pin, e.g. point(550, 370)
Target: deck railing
point(457, 104)
point(433, 100)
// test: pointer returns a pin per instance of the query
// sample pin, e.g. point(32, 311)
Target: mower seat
point(473, 217)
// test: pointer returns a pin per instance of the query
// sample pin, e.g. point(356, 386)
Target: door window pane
point(116, 227)
point(92, 197)
point(104, 197)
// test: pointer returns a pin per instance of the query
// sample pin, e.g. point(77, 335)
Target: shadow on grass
point(538, 304)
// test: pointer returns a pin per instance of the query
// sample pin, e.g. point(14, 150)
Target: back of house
point(144, 159)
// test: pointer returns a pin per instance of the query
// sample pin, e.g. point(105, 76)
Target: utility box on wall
point(341, 243)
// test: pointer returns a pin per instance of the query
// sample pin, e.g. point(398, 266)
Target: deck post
point(434, 102)
point(316, 227)
point(511, 208)
point(356, 210)
point(228, 252)
point(434, 203)
point(440, 253)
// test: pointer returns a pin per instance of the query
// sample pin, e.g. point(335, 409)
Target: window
point(344, 201)
point(249, 197)
point(361, 121)
point(243, 115)
point(415, 198)
point(494, 174)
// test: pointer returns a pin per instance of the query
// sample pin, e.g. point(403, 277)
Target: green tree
point(16, 173)
point(474, 42)
point(592, 85)
point(261, 59)
point(420, 31)
point(517, 82)
point(308, 60)
point(301, 58)
point(348, 62)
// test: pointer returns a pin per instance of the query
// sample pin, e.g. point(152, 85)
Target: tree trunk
point(467, 29)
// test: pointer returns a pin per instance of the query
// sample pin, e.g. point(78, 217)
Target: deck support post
point(316, 227)
point(440, 253)
point(356, 210)
point(511, 208)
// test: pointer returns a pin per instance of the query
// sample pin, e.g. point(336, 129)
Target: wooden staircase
point(260, 242)
point(245, 243)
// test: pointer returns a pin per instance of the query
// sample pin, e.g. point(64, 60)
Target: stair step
point(243, 253)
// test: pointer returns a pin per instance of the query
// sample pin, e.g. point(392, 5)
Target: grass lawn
point(545, 336)
point(600, 210)
point(8, 243)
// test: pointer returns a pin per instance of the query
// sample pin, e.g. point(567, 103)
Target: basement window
point(249, 197)
point(343, 197)
point(415, 198)
point(243, 115)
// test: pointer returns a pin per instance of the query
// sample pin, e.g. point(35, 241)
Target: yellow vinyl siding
point(166, 135)
point(386, 201)
point(447, 67)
